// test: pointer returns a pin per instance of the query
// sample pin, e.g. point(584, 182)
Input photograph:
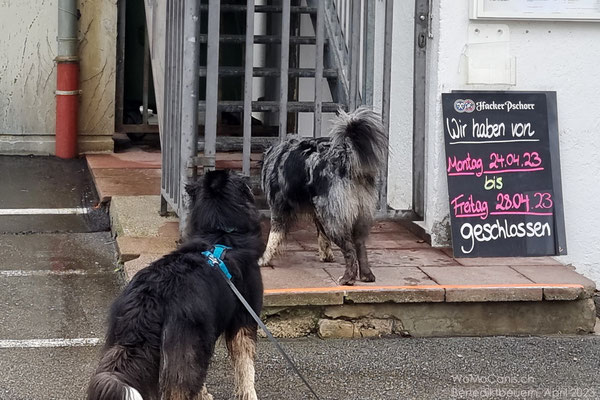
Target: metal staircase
point(331, 68)
point(198, 36)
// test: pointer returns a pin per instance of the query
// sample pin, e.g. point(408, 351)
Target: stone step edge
point(423, 294)
point(442, 319)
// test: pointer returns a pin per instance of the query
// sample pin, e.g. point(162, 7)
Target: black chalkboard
point(503, 169)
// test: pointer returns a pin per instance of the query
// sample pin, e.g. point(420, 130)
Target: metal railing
point(340, 27)
point(180, 110)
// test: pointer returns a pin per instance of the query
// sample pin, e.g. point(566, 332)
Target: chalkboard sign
point(503, 169)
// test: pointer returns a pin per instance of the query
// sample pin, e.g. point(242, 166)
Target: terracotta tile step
point(126, 182)
point(363, 294)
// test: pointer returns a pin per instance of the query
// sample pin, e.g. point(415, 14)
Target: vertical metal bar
point(154, 38)
point(284, 67)
point(167, 105)
point(368, 52)
point(119, 101)
point(419, 104)
point(354, 55)
point(320, 33)
point(178, 102)
point(165, 119)
point(146, 78)
point(163, 206)
point(212, 80)
point(172, 94)
point(248, 74)
point(387, 79)
point(189, 108)
point(343, 13)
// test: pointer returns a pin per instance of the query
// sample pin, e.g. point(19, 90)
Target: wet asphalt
point(58, 278)
point(48, 182)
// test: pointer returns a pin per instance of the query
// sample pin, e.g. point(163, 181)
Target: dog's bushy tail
point(364, 129)
point(108, 384)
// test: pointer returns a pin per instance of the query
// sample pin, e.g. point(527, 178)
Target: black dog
point(334, 181)
point(164, 325)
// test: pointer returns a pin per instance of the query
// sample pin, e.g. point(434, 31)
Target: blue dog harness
point(214, 257)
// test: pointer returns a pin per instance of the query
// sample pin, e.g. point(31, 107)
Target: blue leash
point(214, 257)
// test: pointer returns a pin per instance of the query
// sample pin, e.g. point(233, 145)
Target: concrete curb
point(434, 319)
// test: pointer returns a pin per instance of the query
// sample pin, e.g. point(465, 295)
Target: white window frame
point(477, 12)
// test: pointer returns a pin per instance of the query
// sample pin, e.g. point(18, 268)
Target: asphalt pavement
point(57, 277)
point(428, 369)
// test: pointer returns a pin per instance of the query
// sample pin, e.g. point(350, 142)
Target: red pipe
point(67, 108)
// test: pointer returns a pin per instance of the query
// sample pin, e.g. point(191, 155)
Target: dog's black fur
point(333, 180)
point(164, 325)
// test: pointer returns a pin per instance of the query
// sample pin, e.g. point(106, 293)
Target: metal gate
point(180, 106)
point(344, 50)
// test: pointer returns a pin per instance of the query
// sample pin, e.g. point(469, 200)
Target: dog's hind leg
point(276, 237)
point(325, 253)
point(185, 356)
point(242, 350)
point(349, 251)
point(360, 234)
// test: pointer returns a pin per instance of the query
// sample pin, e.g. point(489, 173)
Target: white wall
point(559, 56)
point(28, 75)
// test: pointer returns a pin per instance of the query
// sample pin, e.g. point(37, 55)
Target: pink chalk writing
point(514, 160)
point(470, 207)
point(468, 165)
point(520, 213)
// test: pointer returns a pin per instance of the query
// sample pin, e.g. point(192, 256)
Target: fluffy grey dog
point(333, 179)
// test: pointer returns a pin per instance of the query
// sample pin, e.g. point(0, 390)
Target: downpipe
point(67, 80)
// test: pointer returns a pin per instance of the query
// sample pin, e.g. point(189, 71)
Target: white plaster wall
point(560, 56)
point(27, 69)
point(28, 75)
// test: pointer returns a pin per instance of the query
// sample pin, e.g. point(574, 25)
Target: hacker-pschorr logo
point(463, 106)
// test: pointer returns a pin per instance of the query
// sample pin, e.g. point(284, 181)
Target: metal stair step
point(263, 72)
point(230, 143)
point(292, 106)
point(263, 9)
point(261, 39)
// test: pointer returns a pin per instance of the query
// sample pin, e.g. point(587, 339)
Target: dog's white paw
point(251, 395)
point(326, 256)
point(346, 280)
point(263, 262)
point(205, 395)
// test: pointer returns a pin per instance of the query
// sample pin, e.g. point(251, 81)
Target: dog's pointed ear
point(215, 181)
point(192, 189)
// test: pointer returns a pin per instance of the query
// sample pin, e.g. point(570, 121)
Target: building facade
point(547, 55)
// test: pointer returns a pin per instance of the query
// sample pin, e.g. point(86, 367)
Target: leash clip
point(213, 257)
